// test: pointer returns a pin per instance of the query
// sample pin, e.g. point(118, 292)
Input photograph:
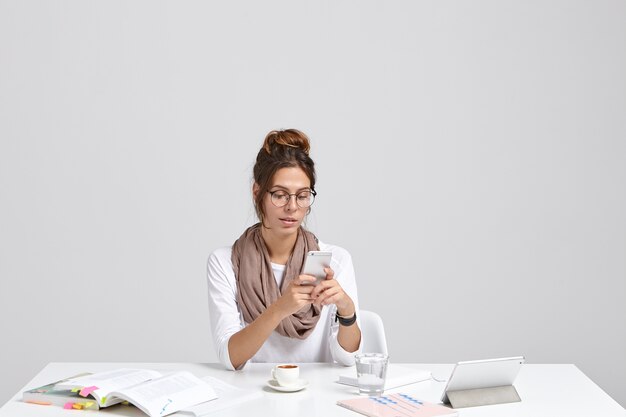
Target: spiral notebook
point(396, 405)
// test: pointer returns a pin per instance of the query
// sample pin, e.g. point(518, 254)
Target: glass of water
point(371, 370)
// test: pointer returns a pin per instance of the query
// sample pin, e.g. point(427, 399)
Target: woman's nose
point(291, 204)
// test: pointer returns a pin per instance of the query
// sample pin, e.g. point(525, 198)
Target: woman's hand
point(330, 292)
point(296, 296)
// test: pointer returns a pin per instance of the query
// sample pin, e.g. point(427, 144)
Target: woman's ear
point(255, 190)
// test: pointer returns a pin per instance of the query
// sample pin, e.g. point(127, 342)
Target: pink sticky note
point(87, 390)
point(68, 406)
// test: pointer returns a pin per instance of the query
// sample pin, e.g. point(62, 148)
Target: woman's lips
point(289, 221)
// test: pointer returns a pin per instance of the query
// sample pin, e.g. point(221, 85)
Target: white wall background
point(471, 156)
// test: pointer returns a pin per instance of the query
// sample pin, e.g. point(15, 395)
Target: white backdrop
point(470, 157)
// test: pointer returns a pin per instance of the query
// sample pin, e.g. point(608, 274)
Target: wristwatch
point(345, 321)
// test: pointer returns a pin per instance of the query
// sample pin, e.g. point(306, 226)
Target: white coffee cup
point(286, 374)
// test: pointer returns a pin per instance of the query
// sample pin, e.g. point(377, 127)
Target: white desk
point(546, 390)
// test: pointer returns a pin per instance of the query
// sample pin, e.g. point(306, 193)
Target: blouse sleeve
point(344, 271)
point(223, 311)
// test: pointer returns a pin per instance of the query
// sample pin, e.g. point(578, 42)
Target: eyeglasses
point(304, 198)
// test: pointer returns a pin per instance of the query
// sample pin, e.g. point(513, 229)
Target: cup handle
point(273, 375)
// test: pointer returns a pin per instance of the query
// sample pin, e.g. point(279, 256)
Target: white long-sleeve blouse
point(226, 319)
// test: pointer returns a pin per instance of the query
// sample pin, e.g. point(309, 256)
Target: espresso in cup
point(286, 374)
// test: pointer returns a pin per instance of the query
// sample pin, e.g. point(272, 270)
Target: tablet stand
point(483, 396)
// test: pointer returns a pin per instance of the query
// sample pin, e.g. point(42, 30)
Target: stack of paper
point(228, 395)
point(397, 376)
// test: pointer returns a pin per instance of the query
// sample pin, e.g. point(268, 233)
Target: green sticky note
point(76, 390)
point(103, 400)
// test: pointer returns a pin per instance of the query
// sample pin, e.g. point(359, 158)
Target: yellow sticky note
point(103, 400)
point(88, 404)
point(76, 390)
point(77, 406)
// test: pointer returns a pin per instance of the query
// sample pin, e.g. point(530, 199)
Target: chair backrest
point(373, 333)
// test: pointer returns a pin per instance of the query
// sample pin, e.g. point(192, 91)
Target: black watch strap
point(349, 321)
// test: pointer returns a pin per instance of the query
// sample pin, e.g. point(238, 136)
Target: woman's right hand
point(296, 296)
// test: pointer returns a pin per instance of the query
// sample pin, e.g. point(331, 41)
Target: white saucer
point(300, 384)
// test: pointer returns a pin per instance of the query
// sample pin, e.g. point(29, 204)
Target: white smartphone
point(315, 263)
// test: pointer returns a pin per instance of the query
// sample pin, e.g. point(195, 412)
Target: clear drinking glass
point(371, 370)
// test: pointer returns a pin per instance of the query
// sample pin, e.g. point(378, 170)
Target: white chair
point(373, 333)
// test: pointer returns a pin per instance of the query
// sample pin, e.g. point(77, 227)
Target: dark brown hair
point(281, 149)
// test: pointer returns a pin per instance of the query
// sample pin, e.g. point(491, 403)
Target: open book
point(153, 393)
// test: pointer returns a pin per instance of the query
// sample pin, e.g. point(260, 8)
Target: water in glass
point(371, 369)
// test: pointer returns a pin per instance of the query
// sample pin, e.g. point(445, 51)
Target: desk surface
point(546, 390)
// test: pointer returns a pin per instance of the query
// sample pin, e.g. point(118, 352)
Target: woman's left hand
point(330, 292)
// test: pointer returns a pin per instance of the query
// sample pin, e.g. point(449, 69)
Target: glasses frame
point(271, 193)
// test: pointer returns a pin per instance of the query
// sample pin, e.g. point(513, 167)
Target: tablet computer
point(487, 373)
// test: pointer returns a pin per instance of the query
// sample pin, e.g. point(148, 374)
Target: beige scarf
point(256, 285)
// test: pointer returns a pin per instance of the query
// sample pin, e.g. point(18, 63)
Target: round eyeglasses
point(304, 198)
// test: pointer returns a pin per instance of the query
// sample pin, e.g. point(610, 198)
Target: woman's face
point(287, 219)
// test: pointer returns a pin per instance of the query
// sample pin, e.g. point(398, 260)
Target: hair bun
point(292, 138)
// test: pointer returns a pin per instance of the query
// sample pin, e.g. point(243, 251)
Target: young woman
point(259, 308)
